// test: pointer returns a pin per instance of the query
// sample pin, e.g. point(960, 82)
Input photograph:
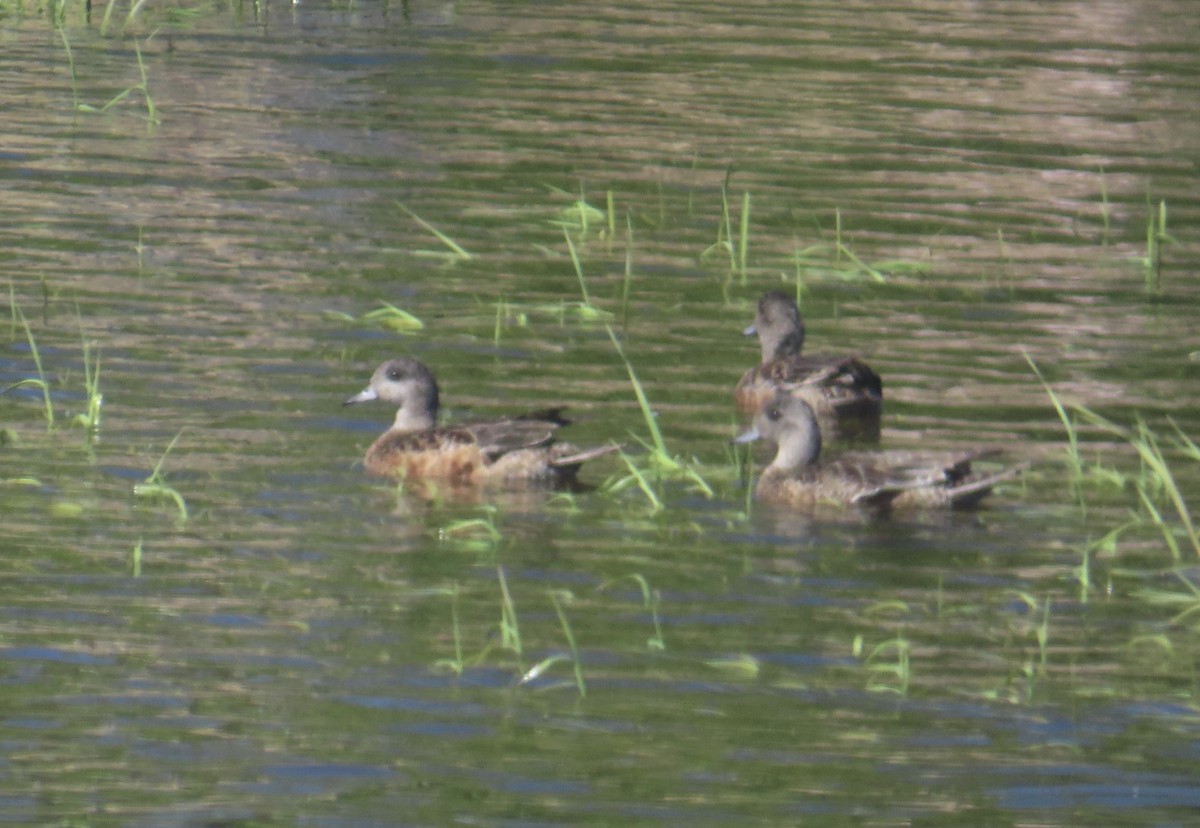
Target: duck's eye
point(774, 413)
point(395, 374)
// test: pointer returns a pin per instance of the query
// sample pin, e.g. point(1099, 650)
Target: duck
point(843, 391)
point(893, 479)
point(506, 450)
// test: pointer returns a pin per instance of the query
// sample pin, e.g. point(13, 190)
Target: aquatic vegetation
point(509, 637)
point(507, 313)
point(1161, 507)
point(89, 419)
point(586, 309)
point(837, 260)
point(660, 465)
point(1033, 622)
point(143, 87)
point(155, 487)
point(889, 666)
point(387, 316)
point(510, 629)
point(453, 254)
point(1156, 237)
point(473, 534)
point(558, 598)
point(627, 281)
point(39, 381)
point(1156, 479)
point(738, 253)
point(650, 601)
point(456, 664)
point(580, 217)
point(743, 665)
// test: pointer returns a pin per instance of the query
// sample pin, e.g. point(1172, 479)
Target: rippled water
point(281, 655)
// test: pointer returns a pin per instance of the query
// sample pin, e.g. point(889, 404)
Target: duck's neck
point(417, 412)
point(798, 452)
point(777, 345)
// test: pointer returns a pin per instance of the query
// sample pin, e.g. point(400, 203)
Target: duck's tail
point(578, 457)
point(970, 490)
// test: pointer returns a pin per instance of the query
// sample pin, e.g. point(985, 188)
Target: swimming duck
point(843, 391)
point(896, 479)
point(507, 450)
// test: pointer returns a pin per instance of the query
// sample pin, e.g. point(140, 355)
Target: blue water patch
point(52, 654)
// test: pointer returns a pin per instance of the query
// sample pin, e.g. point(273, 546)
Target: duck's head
point(407, 384)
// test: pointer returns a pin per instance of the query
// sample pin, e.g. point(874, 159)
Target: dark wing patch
point(503, 436)
point(839, 374)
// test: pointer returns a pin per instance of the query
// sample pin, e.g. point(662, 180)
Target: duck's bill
point(750, 331)
point(747, 436)
point(366, 395)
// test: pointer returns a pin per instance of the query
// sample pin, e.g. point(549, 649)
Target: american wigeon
point(844, 393)
point(519, 449)
point(896, 479)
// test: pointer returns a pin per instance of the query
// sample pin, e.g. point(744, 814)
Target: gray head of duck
point(779, 326)
point(790, 424)
point(407, 384)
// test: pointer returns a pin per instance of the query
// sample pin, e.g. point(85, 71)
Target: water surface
point(281, 655)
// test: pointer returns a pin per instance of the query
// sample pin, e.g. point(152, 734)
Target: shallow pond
point(270, 637)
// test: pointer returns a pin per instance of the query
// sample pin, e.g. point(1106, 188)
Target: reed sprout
point(558, 598)
point(90, 418)
point(155, 486)
point(1157, 477)
point(474, 534)
point(650, 601)
point(454, 252)
point(456, 664)
point(586, 310)
point(662, 465)
point(39, 381)
point(387, 316)
point(737, 253)
point(1156, 237)
point(889, 665)
point(143, 87)
point(580, 216)
point(510, 629)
